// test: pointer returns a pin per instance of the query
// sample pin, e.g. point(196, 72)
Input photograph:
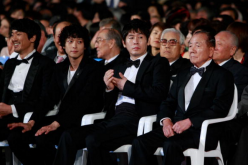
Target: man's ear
point(182, 49)
point(123, 42)
point(211, 52)
point(233, 50)
point(32, 39)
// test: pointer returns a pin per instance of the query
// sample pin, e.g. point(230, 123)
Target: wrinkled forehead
point(198, 38)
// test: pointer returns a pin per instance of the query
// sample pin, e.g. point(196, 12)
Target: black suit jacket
point(150, 88)
point(240, 74)
point(35, 85)
point(83, 95)
point(212, 98)
point(179, 65)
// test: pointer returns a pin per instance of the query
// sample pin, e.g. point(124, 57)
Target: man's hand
point(108, 77)
point(46, 129)
point(120, 82)
point(26, 126)
point(167, 128)
point(181, 126)
point(5, 109)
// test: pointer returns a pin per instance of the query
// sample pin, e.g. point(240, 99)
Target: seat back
point(233, 109)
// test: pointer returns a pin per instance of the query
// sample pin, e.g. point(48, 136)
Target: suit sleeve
point(157, 90)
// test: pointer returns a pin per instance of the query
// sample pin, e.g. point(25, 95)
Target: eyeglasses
point(98, 40)
point(172, 42)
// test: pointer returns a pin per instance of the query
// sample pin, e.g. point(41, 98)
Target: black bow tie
point(18, 62)
point(193, 70)
point(135, 63)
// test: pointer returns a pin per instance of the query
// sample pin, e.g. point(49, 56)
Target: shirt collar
point(221, 64)
point(205, 65)
point(111, 59)
point(64, 55)
point(173, 62)
point(19, 58)
point(141, 58)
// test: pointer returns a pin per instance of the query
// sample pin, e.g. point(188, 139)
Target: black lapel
point(64, 72)
point(79, 71)
point(8, 75)
point(146, 62)
point(181, 94)
point(121, 68)
point(31, 75)
point(198, 93)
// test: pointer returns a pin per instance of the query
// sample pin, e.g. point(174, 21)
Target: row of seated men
point(127, 85)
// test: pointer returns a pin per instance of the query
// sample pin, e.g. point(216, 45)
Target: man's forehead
point(171, 35)
point(198, 38)
point(133, 32)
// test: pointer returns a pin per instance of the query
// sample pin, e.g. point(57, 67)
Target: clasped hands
point(28, 126)
point(179, 127)
point(112, 82)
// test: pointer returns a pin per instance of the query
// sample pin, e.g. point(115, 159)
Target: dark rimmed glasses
point(172, 42)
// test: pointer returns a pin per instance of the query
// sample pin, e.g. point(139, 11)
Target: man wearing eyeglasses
point(108, 46)
point(204, 91)
point(171, 47)
point(135, 88)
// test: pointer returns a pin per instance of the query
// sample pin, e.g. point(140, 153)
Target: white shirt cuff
point(161, 121)
point(14, 112)
point(106, 90)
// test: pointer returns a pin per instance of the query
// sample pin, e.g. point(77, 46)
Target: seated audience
point(76, 89)
point(134, 89)
point(197, 94)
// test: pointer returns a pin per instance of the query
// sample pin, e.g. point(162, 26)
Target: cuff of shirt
point(14, 112)
point(106, 90)
point(161, 121)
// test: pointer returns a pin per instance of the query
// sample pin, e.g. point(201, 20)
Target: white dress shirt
point(18, 78)
point(190, 87)
point(130, 74)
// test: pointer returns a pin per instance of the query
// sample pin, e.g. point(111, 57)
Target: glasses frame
point(164, 44)
point(98, 40)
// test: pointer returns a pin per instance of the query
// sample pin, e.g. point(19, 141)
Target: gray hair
point(114, 34)
point(181, 36)
point(233, 38)
point(112, 22)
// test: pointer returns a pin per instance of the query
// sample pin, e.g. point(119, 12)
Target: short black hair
point(137, 26)
point(75, 31)
point(29, 27)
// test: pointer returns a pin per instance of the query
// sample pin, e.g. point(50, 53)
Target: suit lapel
point(198, 93)
point(228, 64)
point(31, 75)
point(143, 67)
point(8, 75)
point(181, 94)
point(80, 70)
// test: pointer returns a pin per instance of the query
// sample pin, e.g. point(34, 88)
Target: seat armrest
point(90, 118)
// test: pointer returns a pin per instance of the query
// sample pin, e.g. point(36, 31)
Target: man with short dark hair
point(135, 88)
point(204, 91)
point(25, 78)
point(76, 89)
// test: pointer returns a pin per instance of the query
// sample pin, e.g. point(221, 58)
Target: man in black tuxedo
point(108, 46)
point(76, 88)
point(226, 46)
point(135, 88)
point(25, 78)
point(171, 47)
point(205, 91)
